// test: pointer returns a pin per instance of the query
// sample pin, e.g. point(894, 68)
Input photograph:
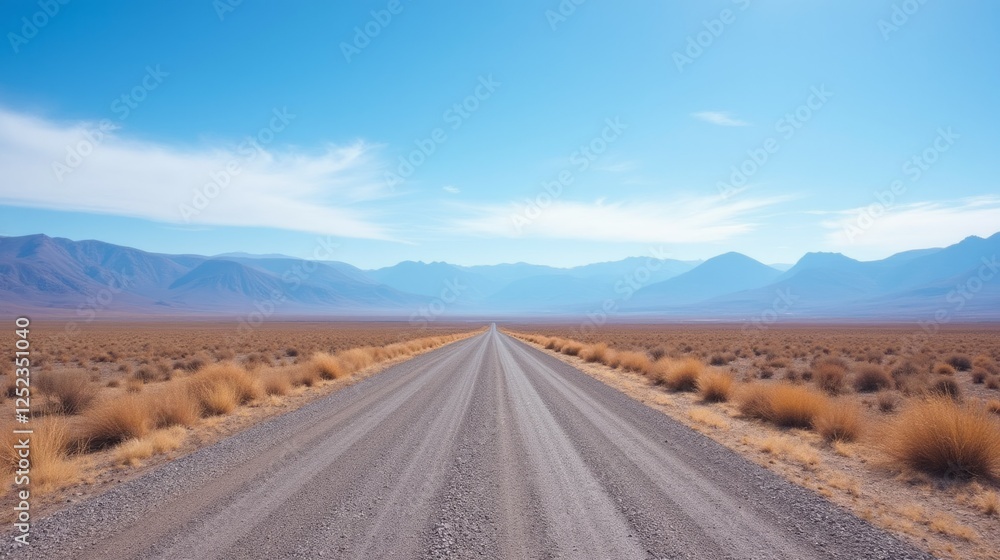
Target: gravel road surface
point(485, 448)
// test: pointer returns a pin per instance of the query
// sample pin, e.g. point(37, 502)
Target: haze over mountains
point(55, 276)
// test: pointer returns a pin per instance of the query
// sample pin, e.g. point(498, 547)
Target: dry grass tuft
point(796, 406)
point(134, 451)
point(948, 525)
point(682, 375)
point(715, 386)
point(887, 402)
point(306, 376)
point(755, 401)
point(842, 420)
point(942, 368)
point(113, 421)
point(69, 390)
point(356, 359)
point(829, 375)
point(174, 406)
point(327, 366)
point(595, 352)
point(708, 418)
point(788, 406)
point(571, 347)
point(634, 361)
point(943, 438)
point(50, 464)
point(993, 405)
point(276, 382)
point(787, 449)
point(220, 388)
point(988, 502)
point(871, 378)
point(947, 387)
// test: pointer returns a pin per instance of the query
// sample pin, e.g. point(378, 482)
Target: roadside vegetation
point(108, 401)
point(849, 412)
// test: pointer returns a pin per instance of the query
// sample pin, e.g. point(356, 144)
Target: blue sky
point(529, 134)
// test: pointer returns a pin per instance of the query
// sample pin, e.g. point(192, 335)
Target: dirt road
point(486, 448)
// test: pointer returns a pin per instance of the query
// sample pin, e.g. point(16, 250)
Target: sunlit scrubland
point(905, 435)
point(937, 431)
point(149, 414)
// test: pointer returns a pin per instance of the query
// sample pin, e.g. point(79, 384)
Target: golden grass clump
point(328, 367)
point(683, 375)
point(946, 387)
point(788, 406)
point(829, 375)
point(70, 391)
point(942, 437)
point(788, 449)
point(595, 352)
point(356, 359)
point(871, 378)
point(754, 401)
point(276, 382)
point(708, 418)
point(112, 421)
point(638, 362)
point(134, 451)
point(220, 388)
point(993, 405)
point(715, 386)
point(304, 376)
point(174, 406)
point(50, 463)
point(571, 348)
point(842, 420)
point(942, 368)
point(796, 406)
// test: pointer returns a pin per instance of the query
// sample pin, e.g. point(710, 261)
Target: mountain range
point(56, 276)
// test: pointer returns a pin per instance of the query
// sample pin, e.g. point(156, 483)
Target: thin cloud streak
point(684, 220)
point(719, 118)
point(290, 190)
point(884, 231)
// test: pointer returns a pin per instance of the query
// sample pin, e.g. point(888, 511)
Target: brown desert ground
point(111, 400)
point(898, 424)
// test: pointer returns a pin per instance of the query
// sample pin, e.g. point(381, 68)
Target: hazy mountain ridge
point(39, 273)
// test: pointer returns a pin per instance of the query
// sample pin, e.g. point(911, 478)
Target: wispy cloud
point(320, 192)
point(918, 224)
point(720, 118)
point(682, 220)
point(452, 189)
point(617, 166)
